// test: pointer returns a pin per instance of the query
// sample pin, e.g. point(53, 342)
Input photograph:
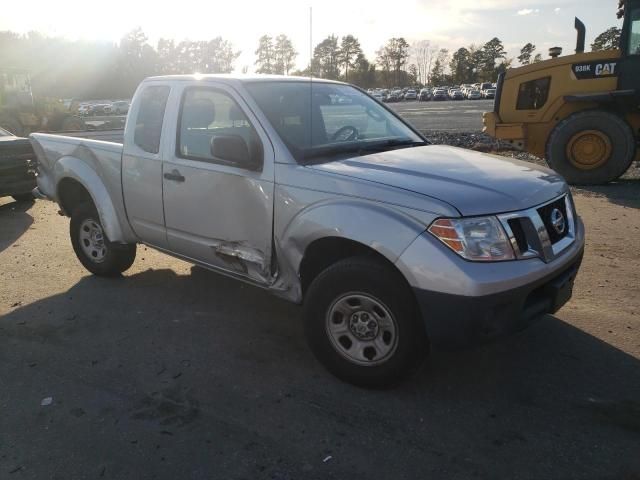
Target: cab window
point(634, 35)
point(533, 95)
point(148, 129)
point(207, 113)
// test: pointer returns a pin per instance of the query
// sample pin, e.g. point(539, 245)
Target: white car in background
point(411, 95)
point(83, 109)
point(121, 107)
point(474, 95)
point(489, 93)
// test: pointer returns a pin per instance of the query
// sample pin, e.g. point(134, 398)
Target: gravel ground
point(482, 142)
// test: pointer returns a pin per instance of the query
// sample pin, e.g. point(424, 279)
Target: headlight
point(477, 239)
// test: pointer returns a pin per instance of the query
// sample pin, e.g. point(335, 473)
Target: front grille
point(519, 233)
point(559, 230)
point(538, 232)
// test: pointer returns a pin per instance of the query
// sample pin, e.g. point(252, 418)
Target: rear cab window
point(634, 35)
point(148, 126)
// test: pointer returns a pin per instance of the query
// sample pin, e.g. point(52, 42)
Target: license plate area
point(561, 289)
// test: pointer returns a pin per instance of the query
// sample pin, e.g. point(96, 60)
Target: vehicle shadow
point(155, 373)
point(14, 221)
point(624, 192)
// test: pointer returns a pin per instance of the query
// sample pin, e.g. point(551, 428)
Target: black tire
point(620, 138)
point(362, 275)
point(117, 257)
point(23, 197)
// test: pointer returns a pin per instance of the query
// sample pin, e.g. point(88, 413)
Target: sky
point(445, 23)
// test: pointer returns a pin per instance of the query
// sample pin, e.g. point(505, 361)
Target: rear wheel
point(92, 247)
point(362, 323)
point(591, 147)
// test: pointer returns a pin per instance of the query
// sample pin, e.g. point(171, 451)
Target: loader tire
point(591, 147)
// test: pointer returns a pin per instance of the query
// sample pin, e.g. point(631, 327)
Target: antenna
point(310, 76)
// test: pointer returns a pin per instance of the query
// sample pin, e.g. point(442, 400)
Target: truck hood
point(474, 183)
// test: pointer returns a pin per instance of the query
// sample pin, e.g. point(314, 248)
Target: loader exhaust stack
point(581, 35)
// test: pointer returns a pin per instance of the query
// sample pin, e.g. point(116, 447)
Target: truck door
point(142, 164)
point(629, 74)
point(219, 211)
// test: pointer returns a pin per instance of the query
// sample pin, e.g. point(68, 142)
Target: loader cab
point(15, 89)
point(629, 69)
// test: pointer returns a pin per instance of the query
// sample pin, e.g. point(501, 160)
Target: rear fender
point(73, 168)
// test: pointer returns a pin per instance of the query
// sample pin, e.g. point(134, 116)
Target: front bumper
point(465, 303)
point(457, 321)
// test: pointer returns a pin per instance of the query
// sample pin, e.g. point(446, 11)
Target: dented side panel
point(92, 163)
point(221, 220)
point(218, 214)
point(310, 206)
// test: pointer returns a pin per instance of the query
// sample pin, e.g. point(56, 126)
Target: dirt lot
point(173, 372)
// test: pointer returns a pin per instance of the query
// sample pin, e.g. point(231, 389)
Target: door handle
point(174, 175)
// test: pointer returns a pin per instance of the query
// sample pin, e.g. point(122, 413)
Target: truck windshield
point(321, 120)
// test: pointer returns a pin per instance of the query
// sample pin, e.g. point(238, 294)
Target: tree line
point(63, 68)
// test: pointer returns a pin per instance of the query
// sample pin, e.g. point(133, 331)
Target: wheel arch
point(326, 251)
point(330, 231)
point(77, 184)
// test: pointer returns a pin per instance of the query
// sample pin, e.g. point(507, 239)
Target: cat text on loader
point(581, 112)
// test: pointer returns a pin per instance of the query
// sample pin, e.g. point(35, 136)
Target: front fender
point(115, 227)
point(387, 230)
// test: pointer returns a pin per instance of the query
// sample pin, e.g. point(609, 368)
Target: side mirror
point(233, 148)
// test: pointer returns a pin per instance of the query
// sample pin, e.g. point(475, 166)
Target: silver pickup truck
point(317, 192)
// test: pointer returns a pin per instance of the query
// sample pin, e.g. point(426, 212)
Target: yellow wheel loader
point(20, 115)
point(580, 112)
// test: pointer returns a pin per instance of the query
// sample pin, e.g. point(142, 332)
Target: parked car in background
point(17, 167)
point(83, 109)
point(99, 109)
point(485, 86)
point(424, 95)
point(474, 95)
point(439, 95)
point(393, 97)
point(120, 107)
point(378, 96)
point(489, 93)
point(411, 95)
point(456, 95)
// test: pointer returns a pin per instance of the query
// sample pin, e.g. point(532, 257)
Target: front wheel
point(362, 323)
point(92, 247)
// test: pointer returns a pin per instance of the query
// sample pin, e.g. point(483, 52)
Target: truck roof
point(237, 78)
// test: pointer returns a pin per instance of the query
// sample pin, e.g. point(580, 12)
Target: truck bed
point(94, 164)
point(115, 136)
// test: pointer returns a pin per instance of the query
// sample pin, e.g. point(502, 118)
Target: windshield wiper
point(330, 150)
point(360, 148)
point(390, 144)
